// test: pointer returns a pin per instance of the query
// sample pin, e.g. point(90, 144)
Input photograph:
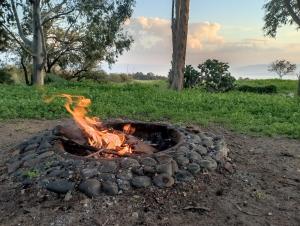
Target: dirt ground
point(263, 190)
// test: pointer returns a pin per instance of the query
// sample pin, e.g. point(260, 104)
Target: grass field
point(245, 112)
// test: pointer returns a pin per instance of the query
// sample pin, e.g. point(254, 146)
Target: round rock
point(163, 180)
point(184, 175)
point(90, 187)
point(110, 188)
point(163, 159)
point(107, 167)
point(165, 168)
point(141, 181)
point(194, 168)
point(129, 163)
point(182, 161)
point(124, 184)
point(148, 161)
point(60, 186)
point(209, 164)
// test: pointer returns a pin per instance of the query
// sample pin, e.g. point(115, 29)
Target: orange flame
point(91, 126)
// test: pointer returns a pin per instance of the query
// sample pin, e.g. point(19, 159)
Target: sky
point(227, 30)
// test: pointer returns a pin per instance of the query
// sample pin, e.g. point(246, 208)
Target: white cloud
point(153, 46)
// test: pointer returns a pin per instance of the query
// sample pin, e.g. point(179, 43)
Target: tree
point(215, 76)
point(280, 12)
point(179, 25)
point(282, 67)
point(298, 91)
point(98, 24)
point(191, 77)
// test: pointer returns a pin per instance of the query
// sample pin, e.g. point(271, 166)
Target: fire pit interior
point(113, 157)
point(152, 138)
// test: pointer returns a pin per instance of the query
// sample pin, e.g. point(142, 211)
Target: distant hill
point(257, 71)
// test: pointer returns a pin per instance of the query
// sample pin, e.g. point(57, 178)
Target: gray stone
point(60, 186)
point(31, 147)
point(174, 166)
point(125, 175)
point(90, 187)
point(149, 170)
point(184, 176)
point(141, 181)
point(56, 173)
point(129, 163)
point(14, 166)
point(110, 188)
point(108, 166)
point(148, 161)
point(182, 161)
point(45, 155)
point(201, 150)
point(194, 168)
point(138, 170)
point(194, 156)
point(208, 142)
point(163, 158)
point(124, 184)
point(29, 156)
point(44, 145)
point(165, 168)
point(88, 173)
point(163, 180)
point(107, 177)
point(208, 163)
point(222, 153)
point(30, 162)
point(183, 150)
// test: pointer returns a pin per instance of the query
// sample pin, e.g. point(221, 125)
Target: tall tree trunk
point(298, 93)
point(179, 33)
point(25, 71)
point(38, 53)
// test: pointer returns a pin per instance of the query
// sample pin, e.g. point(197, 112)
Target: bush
point(6, 77)
point(215, 77)
point(258, 89)
point(191, 77)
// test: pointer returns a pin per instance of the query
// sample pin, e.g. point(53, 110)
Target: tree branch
point(291, 11)
point(46, 20)
point(26, 41)
point(18, 41)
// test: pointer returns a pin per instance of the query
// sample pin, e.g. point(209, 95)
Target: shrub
point(258, 89)
point(191, 77)
point(5, 77)
point(215, 77)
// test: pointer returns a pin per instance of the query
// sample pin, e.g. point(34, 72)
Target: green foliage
point(191, 77)
point(258, 89)
point(31, 173)
point(215, 77)
point(277, 15)
point(5, 77)
point(152, 101)
point(148, 76)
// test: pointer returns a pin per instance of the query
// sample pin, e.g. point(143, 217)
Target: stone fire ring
point(42, 162)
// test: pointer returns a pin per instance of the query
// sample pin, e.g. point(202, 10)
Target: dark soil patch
point(263, 190)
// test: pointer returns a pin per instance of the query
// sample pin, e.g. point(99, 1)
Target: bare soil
point(264, 189)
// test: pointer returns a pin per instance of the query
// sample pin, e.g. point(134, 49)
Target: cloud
point(152, 46)
point(156, 32)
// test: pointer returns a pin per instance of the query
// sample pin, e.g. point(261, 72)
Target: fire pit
point(113, 156)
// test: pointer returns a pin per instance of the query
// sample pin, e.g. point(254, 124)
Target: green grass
point(283, 86)
point(245, 112)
